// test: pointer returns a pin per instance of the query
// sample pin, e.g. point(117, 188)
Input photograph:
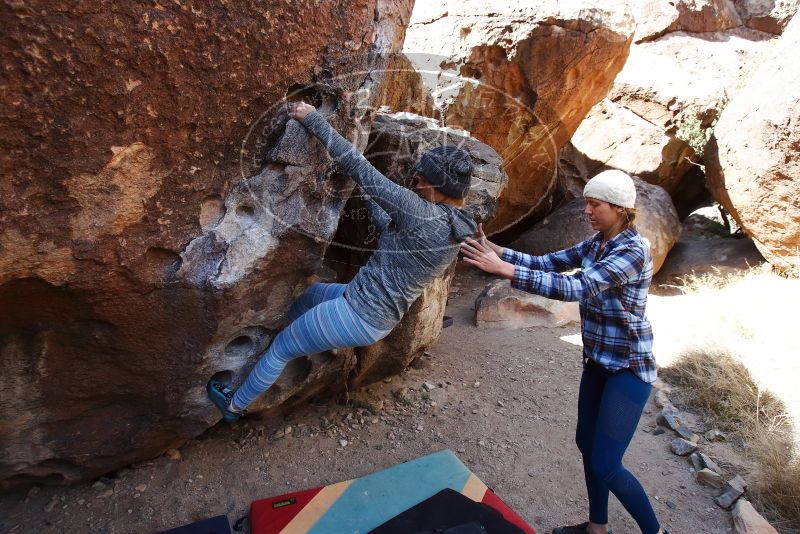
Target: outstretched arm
point(562, 260)
point(617, 268)
point(400, 203)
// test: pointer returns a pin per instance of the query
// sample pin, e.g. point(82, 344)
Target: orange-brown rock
point(402, 89)
point(520, 78)
point(158, 212)
point(752, 157)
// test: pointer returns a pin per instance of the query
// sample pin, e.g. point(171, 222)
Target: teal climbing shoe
point(221, 395)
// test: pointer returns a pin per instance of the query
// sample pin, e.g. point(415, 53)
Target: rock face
point(747, 521)
point(657, 18)
point(661, 108)
point(614, 137)
point(656, 220)
point(752, 158)
point(705, 246)
point(766, 15)
point(668, 80)
point(394, 146)
point(159, 213)
point(520, 78)
point(501, 306)
point(402, 89)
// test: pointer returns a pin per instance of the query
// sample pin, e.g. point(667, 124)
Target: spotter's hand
point(486, 259)
point(480, 236)
point(299, 110)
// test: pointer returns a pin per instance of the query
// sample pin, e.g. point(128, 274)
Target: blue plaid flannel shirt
point(612, 290)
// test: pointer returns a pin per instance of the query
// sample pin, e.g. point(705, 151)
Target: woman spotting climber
point(421, 233)
point(619, 368)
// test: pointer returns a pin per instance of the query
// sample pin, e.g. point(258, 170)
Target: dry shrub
point(776, 489)
point(719, 384)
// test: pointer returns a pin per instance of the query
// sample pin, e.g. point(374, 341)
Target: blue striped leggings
point(320, 319)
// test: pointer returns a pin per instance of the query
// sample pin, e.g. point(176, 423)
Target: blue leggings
point(609, 408)
point(320, 319)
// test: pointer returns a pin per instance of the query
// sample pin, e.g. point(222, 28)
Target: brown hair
point(630, 217)
point(441, 198)
point(457, 202)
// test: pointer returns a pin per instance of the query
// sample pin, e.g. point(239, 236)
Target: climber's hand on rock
point(299, 110)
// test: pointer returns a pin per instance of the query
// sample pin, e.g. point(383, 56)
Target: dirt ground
point(504, 402)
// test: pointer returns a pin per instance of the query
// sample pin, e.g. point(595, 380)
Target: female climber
point(619, 368)
point(421, 232)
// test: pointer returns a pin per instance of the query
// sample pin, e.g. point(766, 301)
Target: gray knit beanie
point(448, 169)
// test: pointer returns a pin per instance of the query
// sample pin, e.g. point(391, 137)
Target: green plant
point(689, 126)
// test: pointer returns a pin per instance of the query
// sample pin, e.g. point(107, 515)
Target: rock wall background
point(753, 168)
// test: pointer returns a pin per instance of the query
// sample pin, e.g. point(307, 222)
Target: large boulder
point(402, 89)
point(683, 76)
point(159, 212)
point(520, 78)
point(614, 137)
point(501, 306)
point(656, 221)
point(664, 103)
point(752, 158)
point(655, 17)
point(766, 15)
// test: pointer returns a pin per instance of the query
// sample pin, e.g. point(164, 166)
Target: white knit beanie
point(612, 186)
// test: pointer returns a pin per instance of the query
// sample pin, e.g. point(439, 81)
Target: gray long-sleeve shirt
point(419, 239)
